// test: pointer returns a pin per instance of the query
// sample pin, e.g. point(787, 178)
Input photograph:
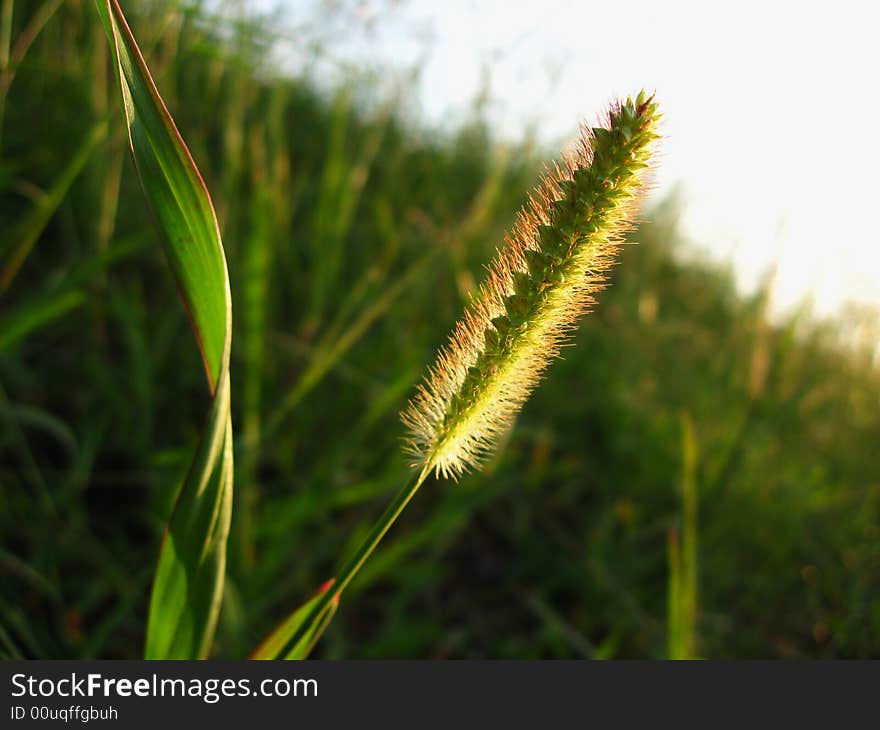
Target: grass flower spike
point(540, 282)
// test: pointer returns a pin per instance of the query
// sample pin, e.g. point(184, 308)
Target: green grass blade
point(188, 586)
point(20, 322)
point(689, 535)
point(674, 648)
point(256, 265)
point(342, 186)
point(189, 578)
point(682, 555)
point(28, 232)
point(332, 348)
point(52, 303)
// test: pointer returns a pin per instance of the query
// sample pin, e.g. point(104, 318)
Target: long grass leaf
point(188, 586)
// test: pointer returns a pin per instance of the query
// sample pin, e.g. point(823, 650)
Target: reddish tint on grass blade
point(277, 645)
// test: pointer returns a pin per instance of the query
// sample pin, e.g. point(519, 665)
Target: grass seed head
point(552, 264)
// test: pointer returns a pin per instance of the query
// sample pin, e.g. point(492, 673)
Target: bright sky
point(771, 109)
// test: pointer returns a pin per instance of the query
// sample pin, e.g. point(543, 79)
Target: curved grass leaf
point(189, 578)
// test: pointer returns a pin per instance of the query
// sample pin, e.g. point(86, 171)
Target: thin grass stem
point(348, 572)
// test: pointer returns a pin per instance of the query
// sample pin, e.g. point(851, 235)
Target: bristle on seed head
point(546, 275)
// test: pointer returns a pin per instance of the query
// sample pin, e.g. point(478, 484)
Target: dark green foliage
point(558, 549)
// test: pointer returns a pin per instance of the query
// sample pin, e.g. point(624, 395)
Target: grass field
point(691, 479)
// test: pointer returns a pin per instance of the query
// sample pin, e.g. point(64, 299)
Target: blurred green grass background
point(692, 479)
